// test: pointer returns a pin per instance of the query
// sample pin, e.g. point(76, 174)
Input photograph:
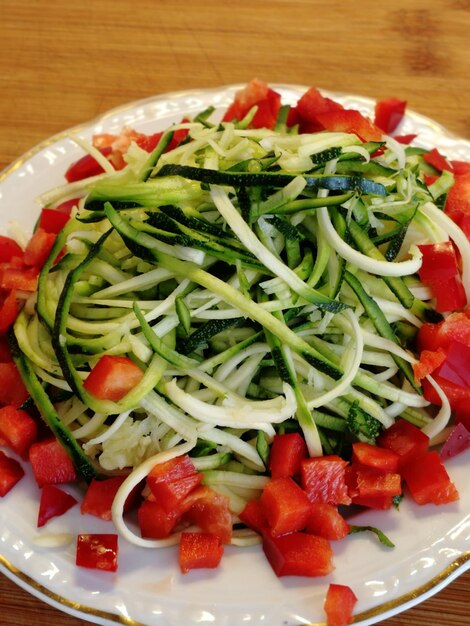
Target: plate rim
point(368, 617)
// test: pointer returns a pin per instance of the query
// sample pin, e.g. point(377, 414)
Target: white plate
point(432, 543)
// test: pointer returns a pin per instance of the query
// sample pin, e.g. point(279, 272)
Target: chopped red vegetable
point(253, 516)
point(172, 481)
point(298, 554)
point(17, 428)
point(12, 390)
point(407, 440)
point(53, 503)
point(373, 456)
point(98, 551)
point(113, 377)
point(350, 121)
point(437, 160)
point(428, 480)
point(10, 473)
point(287, 451)
point(210, 511)
point(285, 505)
point(256, 93)
point(326, 521)
point(99, 497)
point(9, 309)
point(389, 113)
point(324, 479)
point(199, 550)
point(155, 522)
point(50, 462)
point(39, 248)
point(339, 605)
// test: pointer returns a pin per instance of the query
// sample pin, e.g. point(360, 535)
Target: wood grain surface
point(62, 63)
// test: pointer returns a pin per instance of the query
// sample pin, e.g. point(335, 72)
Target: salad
point(241, 330)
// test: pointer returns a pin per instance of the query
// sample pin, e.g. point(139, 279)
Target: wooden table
point(62, 63)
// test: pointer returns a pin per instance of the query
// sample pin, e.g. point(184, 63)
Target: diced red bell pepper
point(86, 166)
point(456, 327)
point(172, 481)
point(53, 220)
point(439, 261)
point(210, 511)
point(287, 451)
point(311, 103)
point(429, 360)
point(460, 167)
point(389, 113)
point(458, 197)
point(407, 440)
point(437, 160)
point(100, 495)
point(9, 249)
point(12, 390)
point(405, 139)
point(98, 551)
point(253, 516)
point(373, 456)
point(17, 428)
point(255, 93)
point(50, 462)
point(113, 377)
point(428, 481)
point(10, 473)
point(339, 605)
point(19, 278)
point(449, 294)
point(155, 522)
point(326, 521)
point(53, 503)
point(5, 354)
point(39, 248)
point(298, 554)
point(381, 503)
point(324, 480)
point(369, 482)
point(350, 121)
point(285, 505)
point(199, 550)
point(9, 310)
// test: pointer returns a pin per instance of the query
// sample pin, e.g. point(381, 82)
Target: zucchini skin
point(48, 413)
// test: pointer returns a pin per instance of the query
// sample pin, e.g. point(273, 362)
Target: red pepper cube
point(9, 310)
point(210, 511)
point(298, 554)
point(99, 497)
point(437, 160)
point(373, 456)
point(155, 522)
point(388, 113)
point(287, 451)
point(381, 503)
point(285, 505)
point(324, 479)
point(449, 294)
point(339, 605)
point(19, 278)
point(53, 503)
point(326, 521)
point(17, 428)
point(439, 261)
point(407, 440)
point(368, 482)
point(50, 462)
point(113, 377)
point(350, 121)
point(428, 481)
point(199, 550)
point(172, 481)
point(9, 249)
point(39, 247)
point(429, 360)
point(54, 220)
point(10, 473)
point(12, 390)
point(97, 551)
point(253, 516)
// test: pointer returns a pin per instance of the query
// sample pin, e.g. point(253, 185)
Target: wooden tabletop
point(62, 63)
